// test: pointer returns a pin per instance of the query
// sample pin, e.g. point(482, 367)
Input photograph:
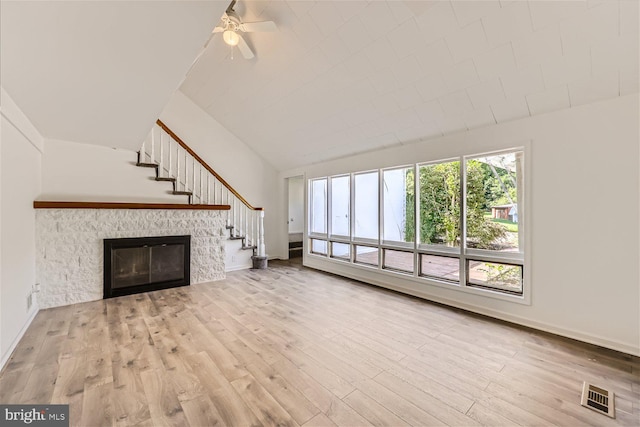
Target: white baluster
point(142, 152)
point(193, 175)
point(185, 170)
point(241, 218)
point(209, 189)
point(253, 241)
point(261, 247)
point(170, 151)
point(160, 166)
point(201, 186)
point(177, 168)
point(230, 211)
point(254, 229)
point(153, 145)
point(246, 222)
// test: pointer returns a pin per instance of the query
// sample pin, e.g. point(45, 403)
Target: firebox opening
point(135, 265)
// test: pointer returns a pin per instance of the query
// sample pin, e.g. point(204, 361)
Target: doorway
point(295, 218)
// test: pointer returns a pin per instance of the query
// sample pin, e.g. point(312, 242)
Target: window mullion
point(380, 218)
point(327, 213)
point(463, 222)
point(352, 198)
point(416, 216)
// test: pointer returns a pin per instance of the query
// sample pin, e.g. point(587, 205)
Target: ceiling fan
point(231, 26)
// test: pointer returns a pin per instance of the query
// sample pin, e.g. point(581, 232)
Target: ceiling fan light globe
point(231, 38)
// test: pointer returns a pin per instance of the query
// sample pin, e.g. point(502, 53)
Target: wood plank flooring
point(292, 346)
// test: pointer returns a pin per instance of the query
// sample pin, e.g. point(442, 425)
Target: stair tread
point(245, 248)
point(147, 165)
point(236, 238)
point(230, 227)
point(165, 178)
point(183, 193)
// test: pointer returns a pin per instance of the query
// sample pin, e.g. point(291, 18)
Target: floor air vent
point(598, 399)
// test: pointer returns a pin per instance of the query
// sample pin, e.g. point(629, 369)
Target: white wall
point(296, 204)
point(20, 160)
point(92, 173)
point(236, 258)
point(583, 268)
point(100, 72)
point(232, 159)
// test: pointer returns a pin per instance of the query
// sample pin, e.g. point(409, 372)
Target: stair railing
point(176, 162)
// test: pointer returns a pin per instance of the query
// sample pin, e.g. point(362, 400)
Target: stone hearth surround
point(69, 262)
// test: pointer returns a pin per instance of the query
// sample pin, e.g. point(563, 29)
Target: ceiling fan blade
point(258, 27)
point(244, 48)
point(218, 29)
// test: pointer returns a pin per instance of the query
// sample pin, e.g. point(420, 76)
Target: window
point(340, 201)
point(366, 205)
point(398, 198)
point(494, 223)
point(492, 202)
point(398, 260)
point(439, 211)
point(340, 250)
point(318, 211)
point(319, 246)
point(494, 275)
point(440, 267)
point(455, 222)
point(366, 255)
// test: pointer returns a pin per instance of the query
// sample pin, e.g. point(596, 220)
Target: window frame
point(486, 255)
point(310, 217)
point(462, 253)
point(354, 238)
point(393, 244)
point(330, 233)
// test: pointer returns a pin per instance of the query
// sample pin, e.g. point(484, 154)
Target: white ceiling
point(99, 71)
point(343, 77)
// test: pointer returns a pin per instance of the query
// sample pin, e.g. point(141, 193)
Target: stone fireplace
point(70, 246)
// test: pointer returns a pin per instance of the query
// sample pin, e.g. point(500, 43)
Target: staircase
point(175, 162)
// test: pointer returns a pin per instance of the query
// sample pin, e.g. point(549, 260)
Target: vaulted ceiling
point(99, 72)
point(343, 77)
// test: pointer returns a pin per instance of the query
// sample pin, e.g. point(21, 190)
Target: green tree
point(481, 232)
point(439, 205)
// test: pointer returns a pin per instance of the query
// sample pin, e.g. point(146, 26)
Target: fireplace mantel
point(38, 204)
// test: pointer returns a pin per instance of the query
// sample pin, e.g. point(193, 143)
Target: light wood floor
point(292, 346)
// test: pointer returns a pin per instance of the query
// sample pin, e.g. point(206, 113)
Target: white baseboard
point(7, 355)
point(238, 267)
